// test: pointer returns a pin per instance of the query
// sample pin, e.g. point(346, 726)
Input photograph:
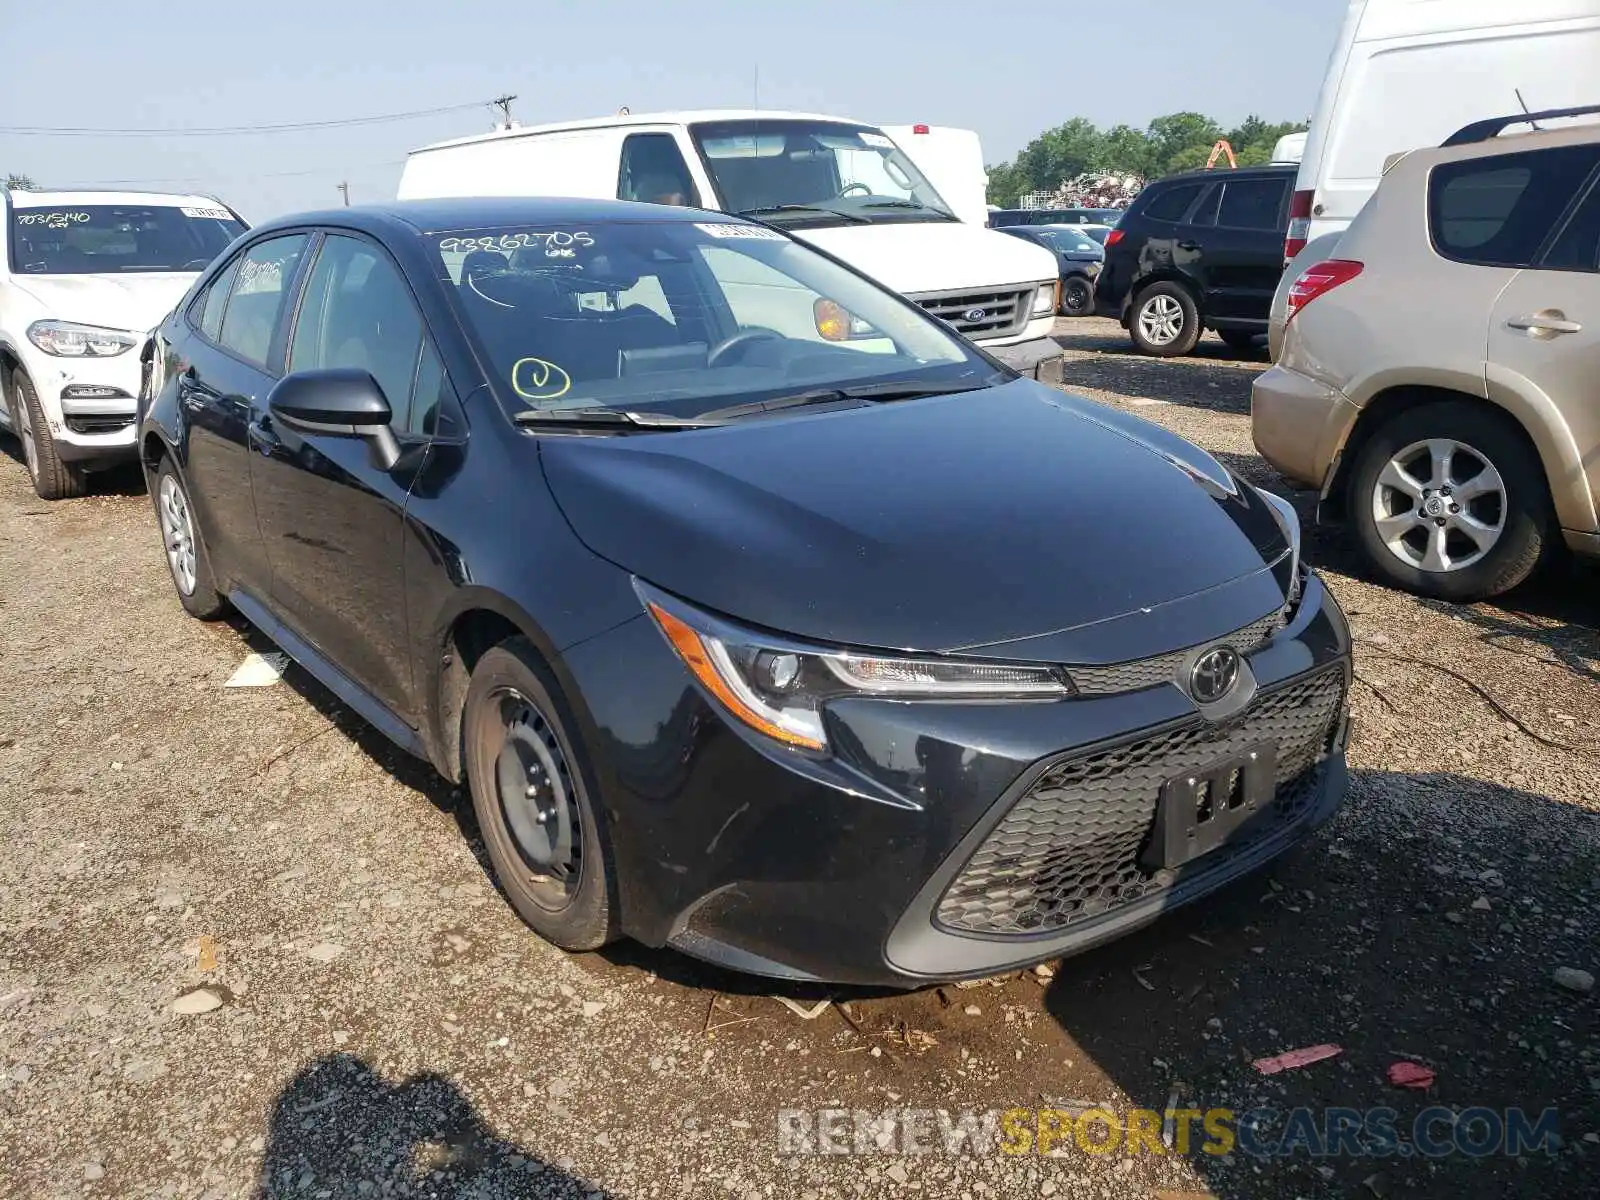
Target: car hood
point(934, 256)
point(133, 302)
point(985, 522)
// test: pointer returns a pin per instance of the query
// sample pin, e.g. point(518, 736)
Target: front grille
point(1068, 850)
point(98, 422)
point(1004, 312)
point(1163, 668)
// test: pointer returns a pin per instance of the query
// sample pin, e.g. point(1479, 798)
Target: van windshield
point(681, 319)
point(814, 173)
point(95, 239)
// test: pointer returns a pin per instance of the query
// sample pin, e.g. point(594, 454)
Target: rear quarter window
point(1499, 211)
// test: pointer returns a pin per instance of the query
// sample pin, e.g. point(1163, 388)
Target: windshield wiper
point(779, 209)
point(912, 204)
point(880, 392)
point(610, 418)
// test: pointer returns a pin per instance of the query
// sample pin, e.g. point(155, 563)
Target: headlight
point(1289, 522)
point(1047, 299)
point(778, 687)
point(65, 339)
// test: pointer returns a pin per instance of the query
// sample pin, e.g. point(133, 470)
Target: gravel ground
point(386, 1027)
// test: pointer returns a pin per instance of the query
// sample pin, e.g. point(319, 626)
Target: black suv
point(1202, 250)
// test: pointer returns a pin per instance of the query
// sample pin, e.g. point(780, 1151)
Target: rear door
point(332, 519)
point(1544, 335)
point(222, 382)
point(1233, 246)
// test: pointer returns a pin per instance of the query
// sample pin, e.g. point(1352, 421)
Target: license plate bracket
point(1200, 810)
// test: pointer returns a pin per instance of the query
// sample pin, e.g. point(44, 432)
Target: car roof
point(1230, 172)
point(684, 117)
point(35, 198)
point(445, 215)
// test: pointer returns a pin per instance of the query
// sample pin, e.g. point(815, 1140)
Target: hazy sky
point(1008, 71)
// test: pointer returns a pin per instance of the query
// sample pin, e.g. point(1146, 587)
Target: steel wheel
point(177, 531)
point(1077, 297)
point(534, 790)
point(23, 419)
point(1161, 320)
point(1439, 505)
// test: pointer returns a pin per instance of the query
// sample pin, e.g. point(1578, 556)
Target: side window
point(1498, 211)
point(1206, 214)
point(358, 312)
point(1251, 203)
point(265, 273)
point(653, 171)
point(1577, 246)
point(435, 408)
point(1171, 204)
point(215, 300)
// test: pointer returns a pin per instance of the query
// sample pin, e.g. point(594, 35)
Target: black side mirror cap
point(337, 402)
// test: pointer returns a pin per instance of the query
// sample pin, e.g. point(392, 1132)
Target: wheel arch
point(1389, 403)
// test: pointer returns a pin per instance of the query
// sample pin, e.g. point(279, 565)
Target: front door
point(1237, 244)
point(332, 520)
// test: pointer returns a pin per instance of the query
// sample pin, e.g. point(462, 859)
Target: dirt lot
point(388, 1028)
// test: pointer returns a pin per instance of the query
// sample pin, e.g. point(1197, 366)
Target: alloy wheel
point(534, 789)
point(177, 531)
point(1161, 320)
point(1439, 505)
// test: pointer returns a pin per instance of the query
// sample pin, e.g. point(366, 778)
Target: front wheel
point(1077, 296)
point(186, 554)
point(53, 479)
point(1165, 322)
point(533, 802)
point(1449, 500)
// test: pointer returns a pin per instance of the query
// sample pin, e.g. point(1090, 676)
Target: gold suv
point(1439, 378)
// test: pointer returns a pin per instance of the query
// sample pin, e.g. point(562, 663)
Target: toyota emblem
point(1215, 672)
point(974, 315)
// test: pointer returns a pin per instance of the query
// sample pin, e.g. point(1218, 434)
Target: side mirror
point(337, 402)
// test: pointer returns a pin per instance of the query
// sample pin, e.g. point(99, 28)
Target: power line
point(236, 130)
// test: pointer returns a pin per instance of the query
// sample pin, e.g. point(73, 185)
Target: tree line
point(1176, 142)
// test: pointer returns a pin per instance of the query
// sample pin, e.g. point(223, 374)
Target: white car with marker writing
point(842, 186)
point(83, 277)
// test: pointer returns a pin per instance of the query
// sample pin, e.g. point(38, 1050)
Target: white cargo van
point(1408, 73)
point(843, 186)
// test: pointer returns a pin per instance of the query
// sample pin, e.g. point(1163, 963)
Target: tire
point(1077, 296)
point(522, 760)
point(1518, 513)
point(52, 478)
point(187, 561)
point(1241, 341)
point(1164, 321)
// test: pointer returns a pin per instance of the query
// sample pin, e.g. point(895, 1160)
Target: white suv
point(83, 277)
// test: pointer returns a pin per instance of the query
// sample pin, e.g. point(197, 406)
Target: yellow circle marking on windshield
point(546, 380)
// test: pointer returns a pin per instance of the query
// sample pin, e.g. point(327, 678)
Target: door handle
point(1545, 324)
point(1190, 246)
point(262, 438)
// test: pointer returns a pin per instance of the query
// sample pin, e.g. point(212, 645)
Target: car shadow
point(339, 1129)
point(1394, 938)
point(125, 479)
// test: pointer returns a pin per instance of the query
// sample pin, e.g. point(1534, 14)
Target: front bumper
point(90, 405)
point(743, 853)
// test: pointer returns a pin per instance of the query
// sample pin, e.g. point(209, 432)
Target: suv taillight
point(1115, 236)
point(1318, 280)
point(1299, 225)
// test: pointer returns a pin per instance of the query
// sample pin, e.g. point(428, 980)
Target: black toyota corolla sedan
point(763, 616)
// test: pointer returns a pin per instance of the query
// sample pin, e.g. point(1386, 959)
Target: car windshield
point(1066, 241)
point(94, 239)
point(816, 172)
point(682, 318)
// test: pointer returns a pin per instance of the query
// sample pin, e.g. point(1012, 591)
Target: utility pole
point(504, 105)
point(344, 188)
